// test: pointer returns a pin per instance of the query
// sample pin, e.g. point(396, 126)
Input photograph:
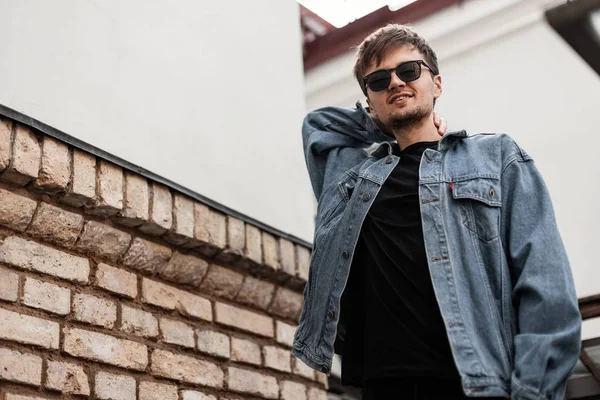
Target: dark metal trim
point(341, 40)
point(72, 141)
point(590, 365)
point(590, 343)
point(589, 307)
point(573, 22)
point(580, 387)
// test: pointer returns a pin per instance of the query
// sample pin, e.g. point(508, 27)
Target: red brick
point(255, 383)
point(20, 367)
point(146, 256)
point(182, 231)
point(67, 378)
point(222, 282)
point(317, 394)
point(55, 171)
point(245, 351)
point(26, 153)
point(103, 241)
point(285, 333)
point(94, 310)
point(245, 320)
point(5, 142)
point(16, 211)
point(138, 322)
point(114, 387)
point(177, 332)
point(213, 343)
point(186, 369)
point(171, 298)
point(12, 396)
point(136, 202)
point(301, 369)
point(236, 241)
point(9, 285)
point(194, 395)
point(293, 391)
point(188, 270)
point(158, 391)
point(82, 189)
point(161, 211)
point(109, 196)
point(303, 262)
point(28, 330)
point(322, 379)
point(29, 255)
point(116, 280)
point(104, 348)
point(270, 249)
point(277, 358)
point(287, 253)
point(256, 293)
point(47, 296)
point(253, 249)
point(287, 303)
point(55, 225)
point(209, 230)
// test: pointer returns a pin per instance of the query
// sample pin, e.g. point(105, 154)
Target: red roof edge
point(341, 40)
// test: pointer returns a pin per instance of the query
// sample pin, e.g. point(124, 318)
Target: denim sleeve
point(548, 334)
point(335, 139)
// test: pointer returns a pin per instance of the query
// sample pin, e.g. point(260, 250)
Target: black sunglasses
point(407, 72)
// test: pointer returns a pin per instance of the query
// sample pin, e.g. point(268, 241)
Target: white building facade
point(506, 69)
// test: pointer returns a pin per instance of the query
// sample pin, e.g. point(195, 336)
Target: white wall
point(505, 70)
point(205, 93)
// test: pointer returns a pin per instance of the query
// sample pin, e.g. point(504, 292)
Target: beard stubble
point(413, 119)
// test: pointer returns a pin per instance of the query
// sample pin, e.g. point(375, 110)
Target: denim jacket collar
point(386, 148)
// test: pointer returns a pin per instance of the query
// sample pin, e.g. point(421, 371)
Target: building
point(504, 66)
point(148, 165)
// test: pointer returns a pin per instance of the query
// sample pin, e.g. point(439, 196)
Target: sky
point(341, 12)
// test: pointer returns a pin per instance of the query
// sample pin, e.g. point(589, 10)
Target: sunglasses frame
point(421, 63)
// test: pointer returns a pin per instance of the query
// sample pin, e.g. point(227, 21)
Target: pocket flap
point(482, 189)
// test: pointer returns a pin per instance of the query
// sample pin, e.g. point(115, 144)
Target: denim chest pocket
point(336, 198)
point(480, 204)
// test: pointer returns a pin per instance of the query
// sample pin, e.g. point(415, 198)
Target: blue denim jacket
point(498, 265)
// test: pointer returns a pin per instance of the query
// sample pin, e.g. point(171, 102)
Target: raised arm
point(548, 339)
point(335, 139)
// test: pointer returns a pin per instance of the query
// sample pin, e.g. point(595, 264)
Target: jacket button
point(324, 370)
point(492, 193)
point(331, 315)
point(345, 255)
point(388, 160)
point(366, 197)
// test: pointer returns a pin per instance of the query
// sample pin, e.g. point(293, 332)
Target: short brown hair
point(373, 48)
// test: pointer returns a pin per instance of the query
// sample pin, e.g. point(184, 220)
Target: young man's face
point(403, 104)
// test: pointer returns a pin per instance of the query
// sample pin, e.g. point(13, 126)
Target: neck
point(411, 132)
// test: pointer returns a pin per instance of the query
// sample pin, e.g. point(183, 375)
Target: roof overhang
point(341, 40)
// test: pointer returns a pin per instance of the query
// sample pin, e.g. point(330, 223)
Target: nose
point(395, 81)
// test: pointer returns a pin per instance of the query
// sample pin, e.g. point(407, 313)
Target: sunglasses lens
point(378, 81)
point(408, 72)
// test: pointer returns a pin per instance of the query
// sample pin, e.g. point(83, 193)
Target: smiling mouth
point(399, 99)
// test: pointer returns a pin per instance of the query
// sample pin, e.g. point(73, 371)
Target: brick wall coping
point(126, 165)
point(73, 195)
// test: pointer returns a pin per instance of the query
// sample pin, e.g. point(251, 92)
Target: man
point(438, 271)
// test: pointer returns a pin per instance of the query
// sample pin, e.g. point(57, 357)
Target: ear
point(371, 109)
point(437, 86)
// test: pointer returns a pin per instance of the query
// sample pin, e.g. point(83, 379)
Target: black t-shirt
point(393, 324)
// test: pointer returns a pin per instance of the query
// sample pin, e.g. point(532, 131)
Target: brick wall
point(114, 287)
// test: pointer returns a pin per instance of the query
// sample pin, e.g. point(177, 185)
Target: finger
point(443, 127)
point(436, 119)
